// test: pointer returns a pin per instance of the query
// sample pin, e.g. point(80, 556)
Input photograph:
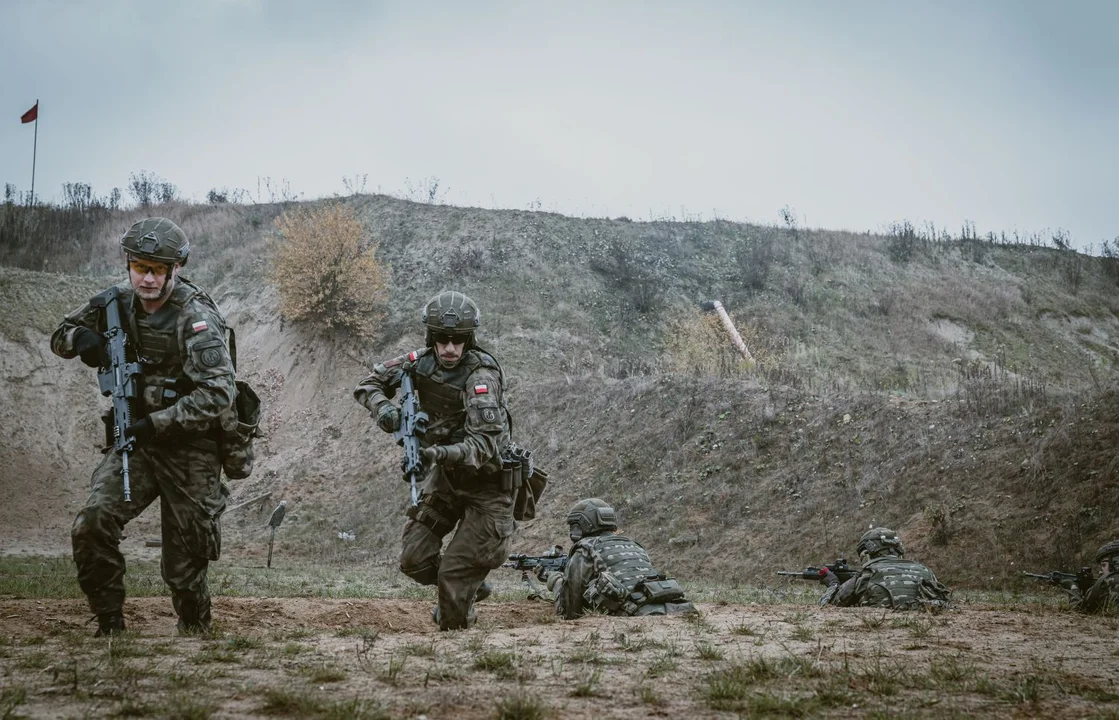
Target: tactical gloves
point(90, 347)
point(829, 578)
point(388, 417)
point(143, 431)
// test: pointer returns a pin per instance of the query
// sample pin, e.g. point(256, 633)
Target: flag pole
point(34, 151)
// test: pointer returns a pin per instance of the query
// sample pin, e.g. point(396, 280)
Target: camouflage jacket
point(613, 574)
point(1102, 597)
point(188, 378)
point(465, 404)
point(893, 582)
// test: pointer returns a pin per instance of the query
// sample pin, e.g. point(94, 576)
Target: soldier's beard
point(153, 294)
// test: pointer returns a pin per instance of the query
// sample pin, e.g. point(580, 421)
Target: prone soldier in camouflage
point(461, 388)
point(1103, 595)
point(886, 579)
point(186, 397)
point(610, 573)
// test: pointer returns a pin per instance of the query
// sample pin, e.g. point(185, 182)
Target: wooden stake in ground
point(735, 338)
point(274, 522)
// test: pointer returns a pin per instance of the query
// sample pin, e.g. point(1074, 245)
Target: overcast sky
point(854, 114)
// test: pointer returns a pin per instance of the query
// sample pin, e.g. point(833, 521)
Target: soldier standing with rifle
point(464, 430)
point(160, 342)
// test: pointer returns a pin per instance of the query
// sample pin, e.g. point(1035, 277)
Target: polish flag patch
point(481, 389)
point(412, 356)
point(199, 326)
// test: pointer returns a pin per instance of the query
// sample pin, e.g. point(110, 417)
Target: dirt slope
point(990, 448)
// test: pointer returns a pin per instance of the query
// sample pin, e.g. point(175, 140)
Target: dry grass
point(327, 271)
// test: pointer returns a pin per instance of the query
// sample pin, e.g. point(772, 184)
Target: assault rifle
point(413, 424)
point(842, 570)
point(118, 380)
point(1083, 579)
point(553, 559)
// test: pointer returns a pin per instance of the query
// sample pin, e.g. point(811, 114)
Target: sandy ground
point(310, 657)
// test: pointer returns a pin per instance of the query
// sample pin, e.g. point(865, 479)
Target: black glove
point(142, 431)
point(388, 417)
point(828, 577)
point(90, 347)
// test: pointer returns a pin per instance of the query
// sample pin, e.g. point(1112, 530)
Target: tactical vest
point(621, 568)
point(897, 583)
point(442, 391)
point(156, 345)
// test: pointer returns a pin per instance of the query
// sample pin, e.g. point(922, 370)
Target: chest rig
point(157, 348)
point(442, 392)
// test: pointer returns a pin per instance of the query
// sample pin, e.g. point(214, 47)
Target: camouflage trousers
point(192, 497)
point(484, 519)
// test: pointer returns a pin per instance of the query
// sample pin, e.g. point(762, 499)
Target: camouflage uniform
point(1103, 595)
point(469, 424)
point(886, 579)
point(892, 582)
point(610, 573)
point(187, 392)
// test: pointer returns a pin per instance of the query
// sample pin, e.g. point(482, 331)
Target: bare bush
point(1110, 255)
point(221, 196)
point(902, 242)
point(61, 238)
point(327, 272)
point(149, 189)
point(754, 259)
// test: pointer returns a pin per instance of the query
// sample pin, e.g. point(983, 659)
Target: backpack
point(237, 434)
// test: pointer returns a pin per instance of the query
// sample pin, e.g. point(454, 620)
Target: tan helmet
point(880, 541)
point(157, 239)
point(591, 516)
point(451, 313)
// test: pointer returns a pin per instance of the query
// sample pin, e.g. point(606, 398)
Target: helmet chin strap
point(168, 283)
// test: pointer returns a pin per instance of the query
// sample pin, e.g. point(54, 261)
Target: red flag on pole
point(31, 115)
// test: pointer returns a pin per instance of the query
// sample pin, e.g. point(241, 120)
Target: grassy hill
point(963, 391)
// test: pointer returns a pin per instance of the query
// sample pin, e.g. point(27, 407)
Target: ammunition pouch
point(660, 590)
point(606, 591)
point(236, 438)
point(520, 475)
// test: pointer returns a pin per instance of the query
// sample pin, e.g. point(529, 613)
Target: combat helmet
point(590, 517)
point(157, 239)
point(880, 541)
point(1108, 552)
point(451, 313)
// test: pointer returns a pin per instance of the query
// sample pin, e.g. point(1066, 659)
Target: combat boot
point(193, 627)
point(484, 591)
point(109, 624)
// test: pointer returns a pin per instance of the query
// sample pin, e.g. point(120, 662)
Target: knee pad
point(425, 574)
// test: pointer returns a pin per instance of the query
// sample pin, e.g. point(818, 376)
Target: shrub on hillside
point(326, 270)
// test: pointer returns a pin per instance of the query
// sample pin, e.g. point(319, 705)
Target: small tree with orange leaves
point(326, 270)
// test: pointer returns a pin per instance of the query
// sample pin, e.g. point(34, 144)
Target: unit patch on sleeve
point(481, 389)
point(199, 326)
point(211, 357)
